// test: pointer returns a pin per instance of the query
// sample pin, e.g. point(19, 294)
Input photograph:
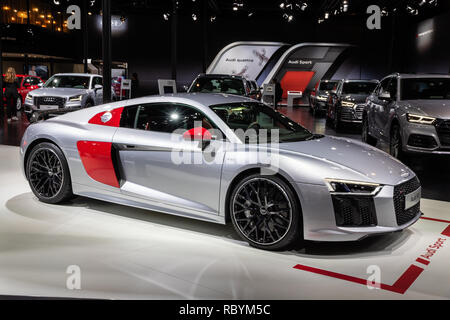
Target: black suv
point(347, 100)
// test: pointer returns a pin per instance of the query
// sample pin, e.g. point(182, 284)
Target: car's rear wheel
point(48, 174)
point(365, 136)
point(265, 213)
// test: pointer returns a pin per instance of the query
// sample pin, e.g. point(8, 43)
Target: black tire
point(48, 174)
point(28, 115)
point(337, 125)
point(88, 104)
point(278, 230)
point(365, 136)
point(19, 104)
point(395, 142)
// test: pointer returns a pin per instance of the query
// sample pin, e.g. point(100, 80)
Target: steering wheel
point(254, 125)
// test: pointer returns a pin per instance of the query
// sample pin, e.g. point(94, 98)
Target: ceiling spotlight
point(320, 20)
point(384, 12)
point(345, 6)
point(250, 14)
point(237, 5)
point(289, 6)
point(166, 16)
point(57, 2)
point(412, 11)
point(212, 18)
point(433, 2)
point(303, 6)
point(422, 2)
point(194, 17)
point(290, 18)
point(282, 5)
point(327, 15)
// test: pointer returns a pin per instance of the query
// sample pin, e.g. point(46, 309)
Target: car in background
point(65, 90)
point(410, 113)
point(346, 103)
point(222, 83)
point(116, 85)
point(27, 83)
point(319, 96)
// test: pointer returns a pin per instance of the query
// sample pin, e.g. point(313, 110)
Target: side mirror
point(97, 86)
point(40, 84)
point(198, 133)
point(384, 95)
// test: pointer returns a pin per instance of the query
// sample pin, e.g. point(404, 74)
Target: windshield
point(425, 88)
point(76, 82)
point(327, 86)
point(358, 87)
point(257, 116)
point(219, 85)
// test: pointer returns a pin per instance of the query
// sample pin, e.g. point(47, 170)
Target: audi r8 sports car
point(189, 155)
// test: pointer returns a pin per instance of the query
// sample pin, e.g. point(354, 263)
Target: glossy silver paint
point(381, 114)
point(153, 182)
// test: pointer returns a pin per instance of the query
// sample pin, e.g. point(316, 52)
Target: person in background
point(32, 72)
point(278, 92)
point(11, 93)
point(134, 85)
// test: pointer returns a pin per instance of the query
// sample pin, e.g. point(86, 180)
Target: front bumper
point(30, 107)
point(319, 218)
point(425, 139)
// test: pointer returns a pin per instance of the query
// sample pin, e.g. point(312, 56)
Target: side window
point(392, 88)
point(384, 85)
point(163, 117)
point(97, 80)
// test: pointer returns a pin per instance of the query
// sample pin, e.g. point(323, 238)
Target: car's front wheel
point(48, 173)
point(395, 143)
point(264, 212)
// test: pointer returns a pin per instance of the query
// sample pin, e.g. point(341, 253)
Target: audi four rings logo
point(106, 117)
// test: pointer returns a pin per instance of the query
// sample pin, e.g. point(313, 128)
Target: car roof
point(208, 99)
point(77, 74)
point(219, 75)
point(423, 75)
point(360, 80)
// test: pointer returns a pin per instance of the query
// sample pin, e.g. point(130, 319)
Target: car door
point(163, 167)
point(381, 108)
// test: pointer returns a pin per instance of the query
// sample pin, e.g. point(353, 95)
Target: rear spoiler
point(42, 115)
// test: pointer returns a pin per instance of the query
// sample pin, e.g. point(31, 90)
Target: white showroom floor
point(128, 253)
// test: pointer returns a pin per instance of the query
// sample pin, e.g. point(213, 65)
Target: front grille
point(52, 101)
point(443, 131)
point(422, 141)
point(400, 191)
point(359, 111)
point(354, 211)
point(346, 114)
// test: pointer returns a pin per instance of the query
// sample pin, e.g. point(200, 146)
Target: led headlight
point(414, 118)
point(347, 104)
point(29, 97)
point(76, 98)
point(337, 186)
point(322, 98)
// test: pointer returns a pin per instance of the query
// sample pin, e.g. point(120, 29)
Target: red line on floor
point(434, 219)
point(400, 286)
point(423, 261)
point(446, 232)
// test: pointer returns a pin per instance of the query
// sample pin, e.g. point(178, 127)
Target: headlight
point(76, 98)
point(336, 186)
point(322, 98)
point(29, 97)
point(347, 104)
point(414, 118)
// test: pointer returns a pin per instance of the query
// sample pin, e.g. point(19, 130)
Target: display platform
point(127, 253)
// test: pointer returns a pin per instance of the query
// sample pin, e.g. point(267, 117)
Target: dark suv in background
point(319, 96)
point(410, 113)
point(347, 100)
point(223, 83)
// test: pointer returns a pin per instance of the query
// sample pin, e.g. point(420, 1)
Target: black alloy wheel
point(265, 213)
point(48, 174)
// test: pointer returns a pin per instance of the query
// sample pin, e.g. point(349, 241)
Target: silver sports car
point(192, 155)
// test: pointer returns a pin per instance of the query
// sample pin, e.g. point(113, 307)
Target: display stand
point(269, 94)
point(291, 96)
point(125, 84)
point(167, 84)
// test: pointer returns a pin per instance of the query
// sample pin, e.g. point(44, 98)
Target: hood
point(357, 98)
point(371, 164)
point(431, 108)
point(57, 92)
